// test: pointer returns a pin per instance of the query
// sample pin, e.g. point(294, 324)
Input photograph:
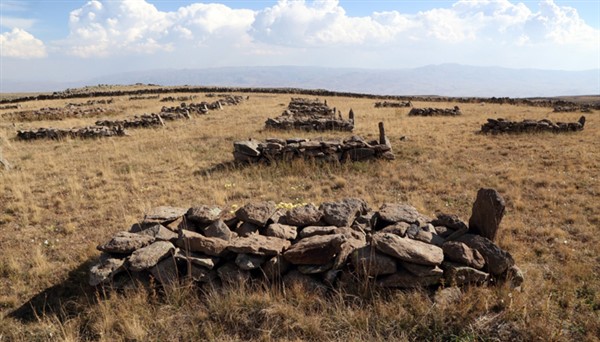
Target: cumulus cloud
point(19, 43)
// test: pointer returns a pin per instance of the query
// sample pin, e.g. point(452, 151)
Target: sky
point(66, 40)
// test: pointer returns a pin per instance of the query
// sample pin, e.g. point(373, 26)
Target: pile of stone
point(83, 132)
point(150, 97)
point(336, 244)
point(51, 113)
point(232, 100)
point(495, 126)
point(391, 104)
point(144, 120)
point(187, 109)
point(178, 98)
point(311, 115)
point(89, 103)
point(353, 149)
point(435, 111)
point(566, 109)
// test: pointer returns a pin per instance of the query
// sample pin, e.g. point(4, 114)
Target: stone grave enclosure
point(435, 111)
point(335, 244)
point(392, 104)
point(496, 126)
point(353, 148)
point(311, 115)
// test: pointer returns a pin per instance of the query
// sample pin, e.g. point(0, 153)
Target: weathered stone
point(302, 216)
point(148, 256)
point(194, 242)
point(449, 221)
point(363, 222)
point(391, 213)
point(496, 259)
point(314, 269)
point(422, 270)
point(368, 262)
point(246, 229)
point(458, 275)
point(203, 214)
point(125, 243)
point(281, 231)
point(159, 232)
point(407, 249)
point(515, 276)
point(196, 258)
point(164, 214)
point(342, 214)
point(218, 229)
point(447, 296)
point(404, 279)
point(257, 213)
point(248, 147)
point(166, 272)
point(275, 267)
point(487, 213)
point(315, 250)
point(316, 230)
point(399, 229)
point(259, 245)
point(249, 262)
point(461, 253)
point(230, 274)
point(105, 270)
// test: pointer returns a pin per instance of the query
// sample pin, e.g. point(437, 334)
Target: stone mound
point(338, 243)
point(311, 115)
point(353, 148)
point(496, 126)
point(435, 111)
point(386, 104)
point(83, 132)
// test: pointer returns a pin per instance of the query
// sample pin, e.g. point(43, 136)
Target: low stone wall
point(353, 148)
point(11, 106)
point(435, 111)
point(83, 132)
point(52, 113)
point(567, 109)
point(150, 97)
point(336, 244)
point(143, 121)
point(89, 103)
point(496, 126)
point(386, 104)
point(178, 98)
point(311, 115)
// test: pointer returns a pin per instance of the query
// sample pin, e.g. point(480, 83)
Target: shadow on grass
point(222, 167)
point(63, 299)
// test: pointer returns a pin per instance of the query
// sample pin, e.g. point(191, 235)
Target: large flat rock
point(259, 245)
point(146, 257)
point(126, 243)
point(257, 213)
point(195, 242)
point(407, 249)
point(315, 250)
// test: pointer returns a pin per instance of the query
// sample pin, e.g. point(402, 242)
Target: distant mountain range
point(444, 80)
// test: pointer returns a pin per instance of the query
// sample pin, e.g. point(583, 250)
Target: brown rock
point(194, 242)
point(342, 214)
point(458, 275)
point(166, 272)
point(461, 253)
point(259, 245)
point(125, 243)
point(315, 250)
point(148, 256)
point(164, 214)
point(391, 213)
point(257, 213)
point(368, 262)
point(497, 260)
point(196, 258)
point(159, 232)
point(246, 229)
point(303, 216)
point(281, 231)
point(407, 249)
point(316, 230)
point(487, 213)
point(218, 229)
point(399, 229)
point(105, 270)
point(275, 267)
point(203, 214)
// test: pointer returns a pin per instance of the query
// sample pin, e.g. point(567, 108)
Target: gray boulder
point(496, 259)
point(315, 250)
point(194, 242)
point(407, 249)
point(125, 243)
point(461, 253)
point(148, 256)
point(303, 216)
point(257, 213)
point(259, 245)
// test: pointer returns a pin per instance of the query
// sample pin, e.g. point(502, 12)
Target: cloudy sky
point(64, 40)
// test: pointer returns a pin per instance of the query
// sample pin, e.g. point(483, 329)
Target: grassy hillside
point(62, 198)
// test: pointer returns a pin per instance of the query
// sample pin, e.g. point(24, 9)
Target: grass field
point(62, 198)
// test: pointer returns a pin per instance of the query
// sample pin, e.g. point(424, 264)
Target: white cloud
point(12, 22)
point(19, 43)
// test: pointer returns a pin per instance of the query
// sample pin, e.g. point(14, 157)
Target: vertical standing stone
point(351, 115)
point(488, 210)
point(381, 134)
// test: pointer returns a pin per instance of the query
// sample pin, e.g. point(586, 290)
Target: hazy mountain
point(446, 79)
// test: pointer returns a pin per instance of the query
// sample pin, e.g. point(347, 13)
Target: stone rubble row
point(337, 243)
point(392, 104)
point(52, 113)
point(496, 126)
point(353, 148)
point(435, 111)
point(83, 132)
point(311, 115)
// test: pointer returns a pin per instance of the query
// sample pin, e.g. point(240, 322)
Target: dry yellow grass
point(62, 198)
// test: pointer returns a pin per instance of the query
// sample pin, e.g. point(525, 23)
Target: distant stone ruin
point(496, 126)
point(337, 244)
point(353, 148)
point(178, 98)
point(11, 106)
point(52, 113)
point(89, 103)
point(83, 132)
point(311, 115)
point(143, 121)
point(435, 111)
point(566, 109)
point(392, 104)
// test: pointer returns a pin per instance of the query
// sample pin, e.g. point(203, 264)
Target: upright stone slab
point(487, 213)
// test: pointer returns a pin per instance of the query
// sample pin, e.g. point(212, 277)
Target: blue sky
point(59, 40)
